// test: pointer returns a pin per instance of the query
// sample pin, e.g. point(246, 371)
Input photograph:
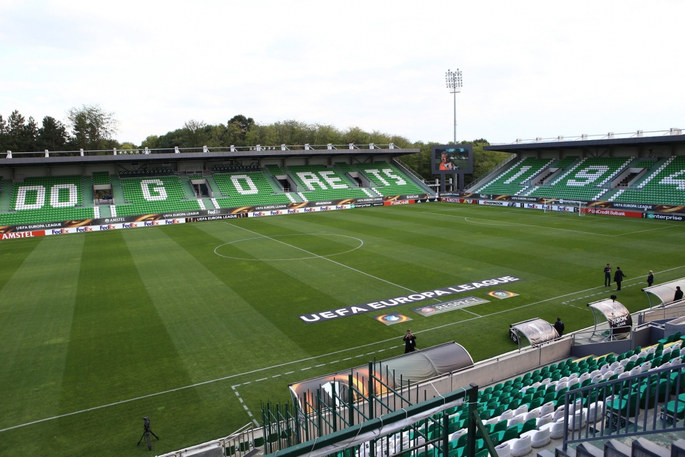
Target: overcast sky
point(530, 68)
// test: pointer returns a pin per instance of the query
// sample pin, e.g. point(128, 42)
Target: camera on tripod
point(147, 431)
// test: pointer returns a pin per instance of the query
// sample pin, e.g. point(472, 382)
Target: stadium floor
point(197, 325)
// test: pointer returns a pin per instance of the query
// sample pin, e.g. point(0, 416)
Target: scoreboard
point(451, 159)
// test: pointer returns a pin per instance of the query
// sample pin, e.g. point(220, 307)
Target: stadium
point(253, 300)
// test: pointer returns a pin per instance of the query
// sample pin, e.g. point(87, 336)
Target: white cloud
point(530, 68)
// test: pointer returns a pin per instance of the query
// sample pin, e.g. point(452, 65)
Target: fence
point(641, 400)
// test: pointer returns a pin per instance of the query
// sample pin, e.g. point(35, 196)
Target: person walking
point(607, 275)
point(618, 277)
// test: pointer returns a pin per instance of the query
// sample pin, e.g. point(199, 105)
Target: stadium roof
point(202, 153)
point(584, 142)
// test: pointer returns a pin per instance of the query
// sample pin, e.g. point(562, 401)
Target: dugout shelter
point(537, 331)
point(392, 373)
point(614, 313)
point(663, 294)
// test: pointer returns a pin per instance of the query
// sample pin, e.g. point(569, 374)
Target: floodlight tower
point(453, 80)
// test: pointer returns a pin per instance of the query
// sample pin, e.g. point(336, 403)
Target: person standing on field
point(650, 278)
point(618, 277)
point(409, 342)
point(607, 275)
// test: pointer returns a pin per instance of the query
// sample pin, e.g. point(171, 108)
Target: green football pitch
point(196, 325)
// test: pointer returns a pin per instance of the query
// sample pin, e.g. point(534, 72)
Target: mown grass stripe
point(36, 308)
point(200, 306)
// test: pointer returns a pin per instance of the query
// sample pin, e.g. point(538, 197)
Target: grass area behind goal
point(196, 325)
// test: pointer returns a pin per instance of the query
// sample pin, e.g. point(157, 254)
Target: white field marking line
point(198, 384)
point(470, 312)
point(361, 243)
point(643, 231)
point(544, 227)
point(540, 227)
point(601, 291)
point(505, 224)
point(211, 381)
point(332, 362)
point(605, 291)
point(534, 303)
point(363, 273)
point(247, 410)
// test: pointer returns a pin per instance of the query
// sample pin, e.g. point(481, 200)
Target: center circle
point(305, 253)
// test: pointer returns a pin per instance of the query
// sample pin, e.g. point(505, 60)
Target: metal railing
point(415, 429)
point(198, 150)
point(600, 136)
point(631, 403)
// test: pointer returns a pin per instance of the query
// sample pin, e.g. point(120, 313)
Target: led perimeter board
point(450, 159)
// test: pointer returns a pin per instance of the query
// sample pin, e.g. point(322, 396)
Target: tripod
point(146, 435)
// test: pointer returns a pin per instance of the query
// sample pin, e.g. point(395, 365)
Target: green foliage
point(17, 134)
point(52, 135)
point(173, 322)
point(92, 128)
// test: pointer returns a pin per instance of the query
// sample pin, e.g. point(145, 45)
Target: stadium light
point(453, 80)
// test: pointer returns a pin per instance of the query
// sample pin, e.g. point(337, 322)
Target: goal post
point(577, 206)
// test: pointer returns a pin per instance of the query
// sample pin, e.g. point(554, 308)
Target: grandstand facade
point(639, 176)
point(62, 192)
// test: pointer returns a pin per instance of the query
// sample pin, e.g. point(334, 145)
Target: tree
point(52, 135)
point(357, 136)
point(92, 128)
point(3, 135)
point(20, 135)
point(238, 128)
point(152, 142)
point(195, 134)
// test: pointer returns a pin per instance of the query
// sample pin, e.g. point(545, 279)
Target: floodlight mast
point(454, 84)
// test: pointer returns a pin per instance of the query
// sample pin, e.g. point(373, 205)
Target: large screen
point(450, 159)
